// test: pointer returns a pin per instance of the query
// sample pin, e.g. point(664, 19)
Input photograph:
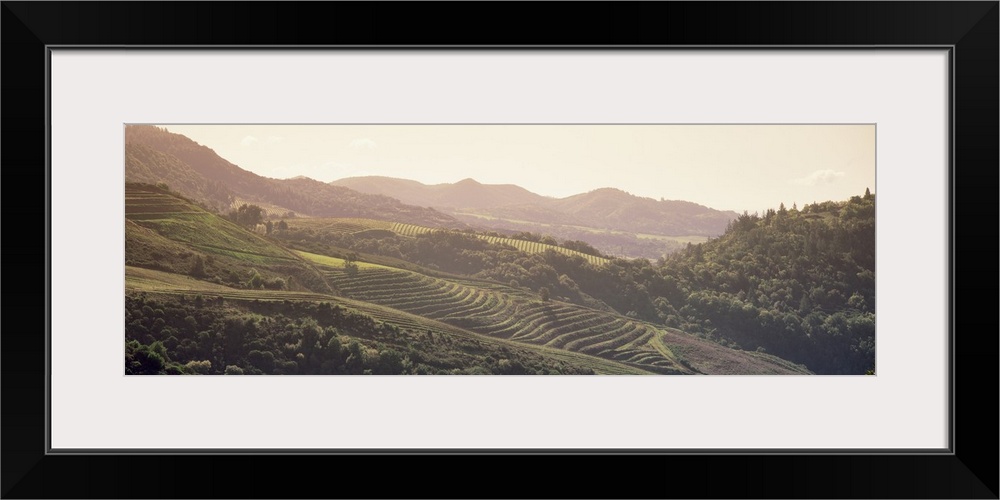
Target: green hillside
point(217, 286)
point(241, 272)
point(356, 283)
point(175, 324)
point(362, 228)
point(165, 232)
point(511, 314)
point(796, 283)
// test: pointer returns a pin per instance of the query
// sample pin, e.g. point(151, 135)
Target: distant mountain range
point(154, 155)
point(463, 194)
point(606, 208)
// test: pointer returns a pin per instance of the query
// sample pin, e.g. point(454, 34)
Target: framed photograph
point(357, 211)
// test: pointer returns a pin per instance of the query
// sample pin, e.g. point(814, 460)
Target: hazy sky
point(729, 167)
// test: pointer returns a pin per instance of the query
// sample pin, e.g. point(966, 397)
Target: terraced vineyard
point(158, 282)
point(340, 224)
point(141, 205)
point(512, 316)
point(357, 226)
point(409, 229)
point(174, 248)
point(168, 233)
point(535, 247)
point(182, 222)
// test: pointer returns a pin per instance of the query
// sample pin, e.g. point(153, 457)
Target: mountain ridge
point(606, 208)
point(466, 193)
point(154, 155)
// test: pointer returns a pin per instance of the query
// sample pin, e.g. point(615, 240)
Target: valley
point(228, 272)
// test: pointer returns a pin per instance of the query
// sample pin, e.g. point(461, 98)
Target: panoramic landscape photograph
point(499, 249)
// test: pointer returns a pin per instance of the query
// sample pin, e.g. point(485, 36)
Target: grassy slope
point(168, 233)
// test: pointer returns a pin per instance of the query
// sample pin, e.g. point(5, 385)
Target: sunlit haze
point(728, 167)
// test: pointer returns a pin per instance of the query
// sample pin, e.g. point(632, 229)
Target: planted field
point(167, 233)
point(140, 204)
point(138, 280)
point(535, 247)
point(340, 224)
point(180, 221)
point(176, 248)
point(553, 325)
point(410, 229)
point(506, 313)
point(359, 227)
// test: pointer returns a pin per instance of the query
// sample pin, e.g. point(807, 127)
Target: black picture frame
point(970, 28)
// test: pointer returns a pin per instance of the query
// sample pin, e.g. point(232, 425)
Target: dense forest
point(799, 284)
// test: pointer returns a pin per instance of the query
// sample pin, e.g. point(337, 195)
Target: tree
point(256, 281)
point(200, 367)
point(144, 360)
point(349, 266)
point(247, 215)
point(198, 267)
point(282, 225)
point(270, 226)
point(544, 294)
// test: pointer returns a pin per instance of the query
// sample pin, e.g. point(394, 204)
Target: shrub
point(200, 367)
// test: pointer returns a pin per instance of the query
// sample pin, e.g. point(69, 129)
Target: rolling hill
point(610, 208)
point(502, 312)
point(611, 220)
point(168, 233)
point(356, 283)
point(362, 228)
point(154, 155)
point(217, 287)
point(466, 193)
point(605, 208)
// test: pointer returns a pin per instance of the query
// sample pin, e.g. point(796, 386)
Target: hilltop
point(467, 193)
point(604, 208)
point(154, 155)
point(796, 283)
